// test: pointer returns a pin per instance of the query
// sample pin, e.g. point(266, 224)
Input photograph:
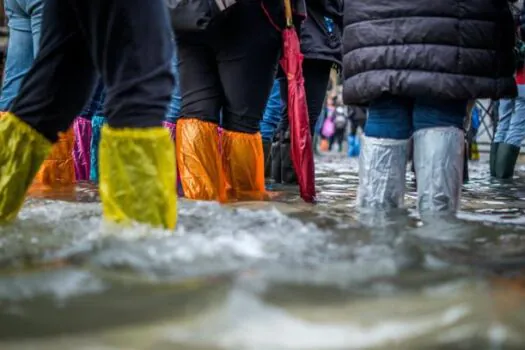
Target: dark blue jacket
point(321, 31)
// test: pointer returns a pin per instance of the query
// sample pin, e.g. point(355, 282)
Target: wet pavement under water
point(268, 276)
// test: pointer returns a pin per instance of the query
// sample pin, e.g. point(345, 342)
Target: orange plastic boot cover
point(243, 161)
point(58, 169)
point(199, 161)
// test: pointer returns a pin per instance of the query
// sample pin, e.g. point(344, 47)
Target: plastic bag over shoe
point(22, 151)
point(137, 176)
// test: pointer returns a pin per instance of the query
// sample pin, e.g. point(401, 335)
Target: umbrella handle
point(288, 13)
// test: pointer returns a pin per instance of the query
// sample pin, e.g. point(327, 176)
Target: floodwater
point(268, 276)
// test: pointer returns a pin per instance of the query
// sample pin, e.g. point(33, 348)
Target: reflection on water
point(280, 275)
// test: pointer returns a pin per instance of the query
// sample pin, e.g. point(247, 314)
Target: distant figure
point(510, 131)
point(357, 116)
point(340, 119)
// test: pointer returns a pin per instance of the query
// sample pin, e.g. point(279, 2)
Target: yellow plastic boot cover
point(22, 151)
point(137, 176)
point(243, 159)
point(199, 160)
point(58, 169)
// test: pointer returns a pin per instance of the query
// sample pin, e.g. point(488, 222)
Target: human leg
point(174, 108)
point(82, 148)
point(506, 108)
point(272, 113)
point(35, 9)
point(353, 141)
point(353, 128)
point(383, 157)
point(130, 42)
point(341, 139)
point(19, 56)
point(198, 157)
point(269, 124)
point(39, 113)
point(439, 146)
point(516, 132)
point(508, 151)
point(316, 76)
point(277, 150)
point(248, 48)
point(504, 111)
point(83, 132)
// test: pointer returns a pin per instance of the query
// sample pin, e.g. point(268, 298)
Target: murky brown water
point(281, 275)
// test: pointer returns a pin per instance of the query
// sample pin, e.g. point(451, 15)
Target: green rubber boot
point(506, 159)
point(493, 157)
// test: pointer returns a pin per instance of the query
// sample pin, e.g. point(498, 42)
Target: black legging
point(356, 124)
point(339, 137)
point(316, 76)
point(229, 69)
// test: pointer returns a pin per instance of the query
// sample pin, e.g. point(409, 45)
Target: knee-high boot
point(22, 152)
point(81, 148)
point(137, 176)
point(507, 156)
point(199, 160)
point(172, 128)
point(439, 158)
point(382, 173)
point(97, 122)
point(243, 161)
point(58, 169)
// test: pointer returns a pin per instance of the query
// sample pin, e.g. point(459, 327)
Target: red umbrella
point(301, 140)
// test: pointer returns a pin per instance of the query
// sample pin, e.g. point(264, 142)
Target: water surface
point(264, 276)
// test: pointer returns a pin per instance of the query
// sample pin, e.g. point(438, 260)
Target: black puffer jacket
point(446, 49)
point(318, 41)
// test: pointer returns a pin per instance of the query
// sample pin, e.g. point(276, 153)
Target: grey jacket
point(445, 49)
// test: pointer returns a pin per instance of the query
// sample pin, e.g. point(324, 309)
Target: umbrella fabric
point(301, 140)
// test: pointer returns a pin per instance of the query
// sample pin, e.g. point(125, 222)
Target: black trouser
point(316, 76)
point(229, 69)
point(95, 105)
point(357, 123)
point(339, 137)
point(127, 42)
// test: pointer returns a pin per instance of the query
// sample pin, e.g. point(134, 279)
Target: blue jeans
point(398, 117)
point(25, 18)
point(176, 99)
point(272, 113)
point(511, 126)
